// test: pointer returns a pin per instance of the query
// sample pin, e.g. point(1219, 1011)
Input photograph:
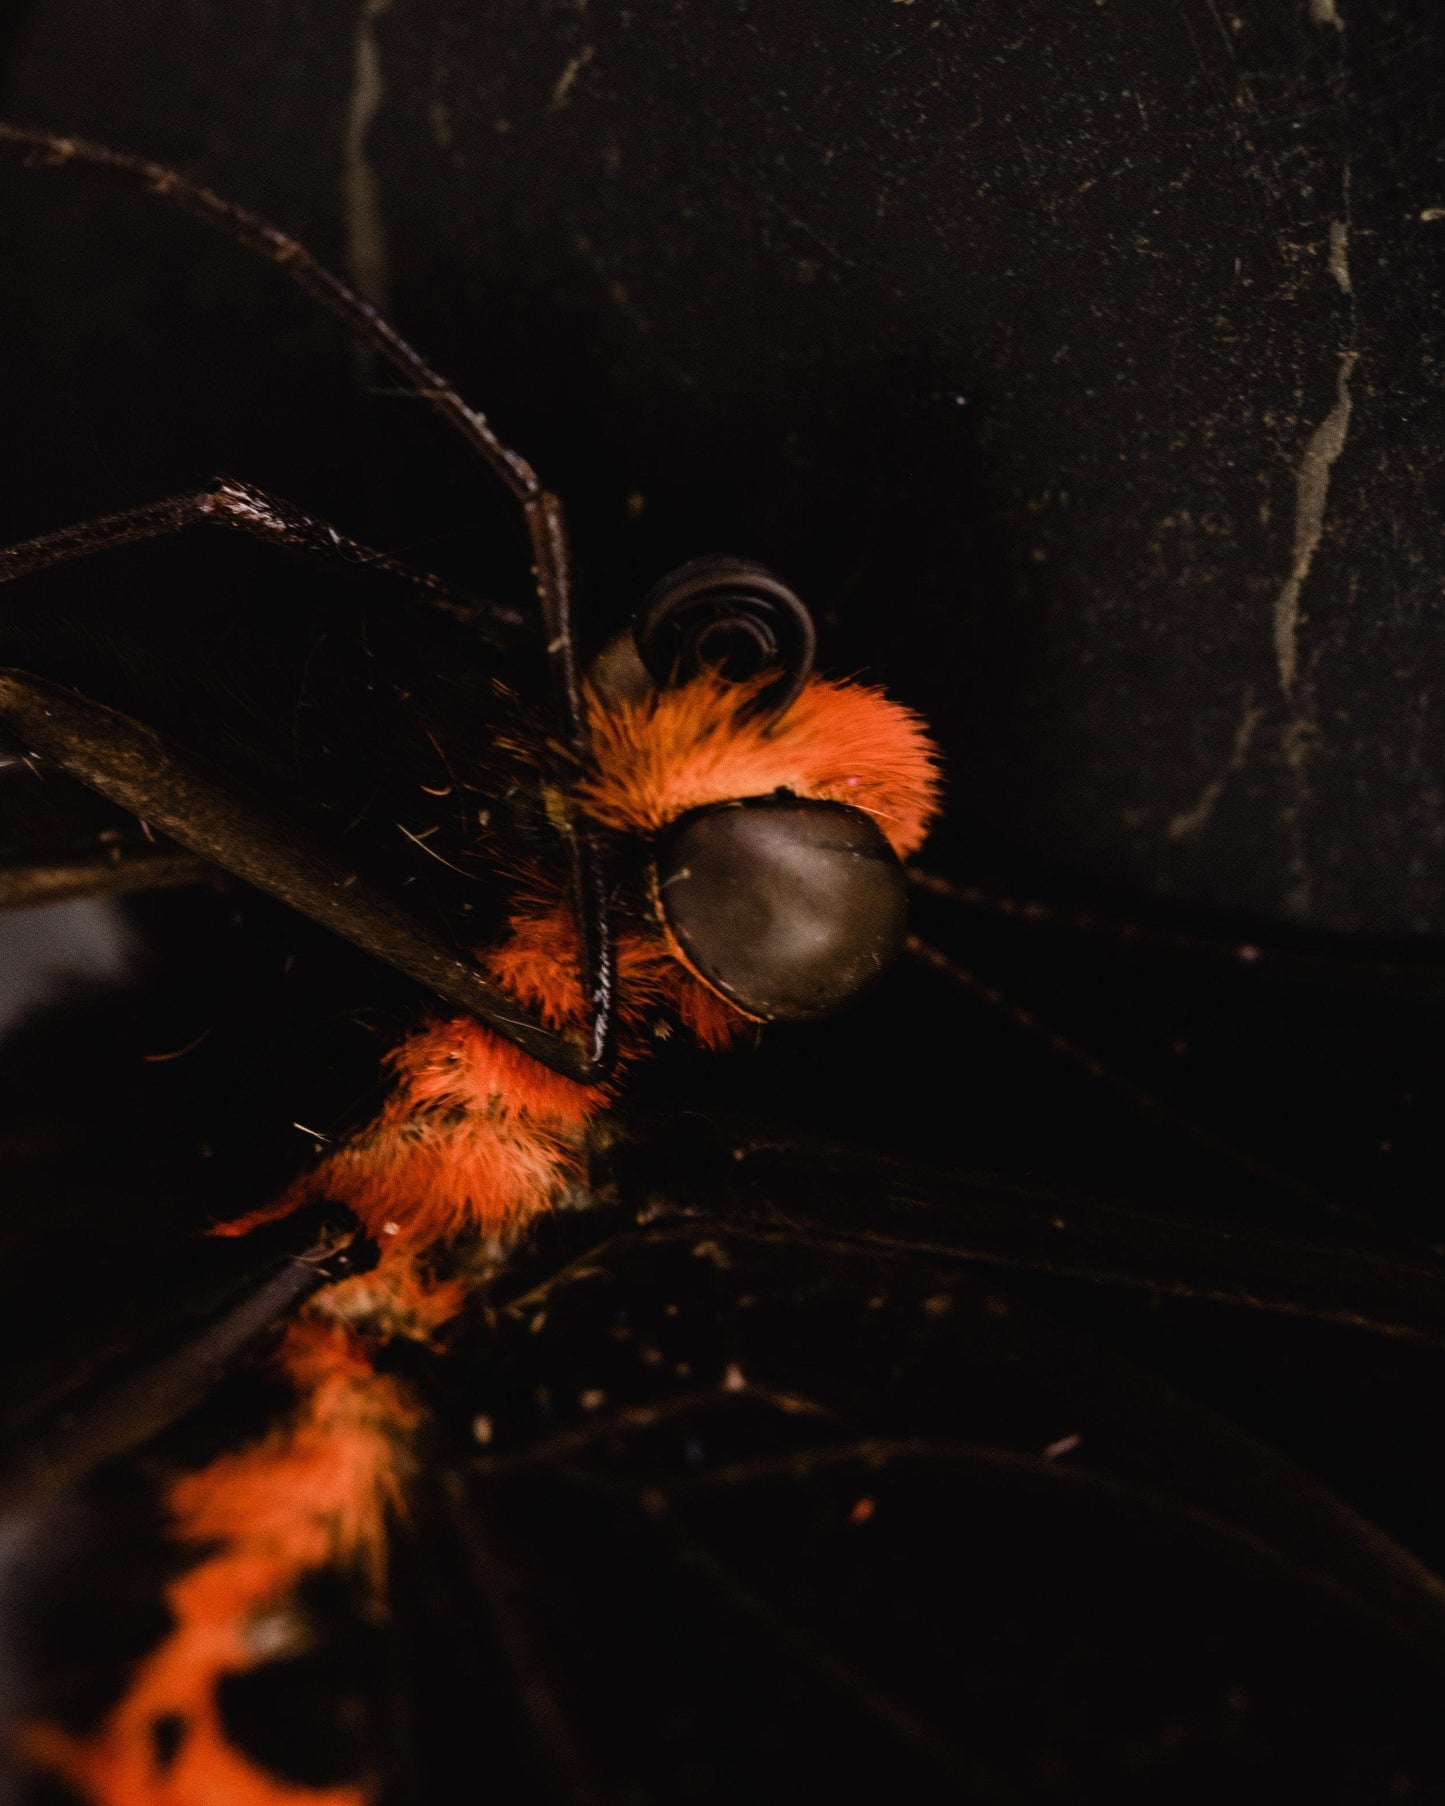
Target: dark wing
point(813, 1468)
point(121, 1332)
point(810, 1469)
point(777, 1494)
point(98, 1367)
point(1306, 1074)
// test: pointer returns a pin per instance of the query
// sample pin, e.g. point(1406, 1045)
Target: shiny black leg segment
point(547, 526)
point(168, 787)
point(542, 512)
point(45, 150)
point(245, 509)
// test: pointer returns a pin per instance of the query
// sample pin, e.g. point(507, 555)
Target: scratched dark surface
point(1080, 361)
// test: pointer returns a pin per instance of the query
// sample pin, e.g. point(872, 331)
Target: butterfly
point(786, 1462)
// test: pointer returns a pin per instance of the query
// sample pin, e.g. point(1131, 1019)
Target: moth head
point(785, 906)
point(777, 805)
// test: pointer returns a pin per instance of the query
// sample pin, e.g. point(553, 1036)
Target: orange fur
point(695, 745)
point(473, 1139)
point(318, 1490)
point(476, 1136)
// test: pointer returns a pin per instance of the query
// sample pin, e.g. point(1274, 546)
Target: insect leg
point(1340, 964)
point(174, 791)
point(245, 509)
point(545, 523)
point(542, 511)
point(1144, 1102)
point(45, 150)
point(115, 1413)
point(775, 1182)
point(554, 573)
point(62, 881)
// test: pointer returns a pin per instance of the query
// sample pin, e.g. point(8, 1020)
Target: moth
point(785, 1463)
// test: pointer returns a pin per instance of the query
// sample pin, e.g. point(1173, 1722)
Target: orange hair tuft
point(318, 1489)
point(702, 744)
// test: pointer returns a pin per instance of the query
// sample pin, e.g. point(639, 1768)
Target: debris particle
point(562, 93)
point(732, 1380)
point(1064, 1446)
point(863, 1510)
point(482, 1430)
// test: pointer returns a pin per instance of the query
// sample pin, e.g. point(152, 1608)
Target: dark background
point(1078, 359)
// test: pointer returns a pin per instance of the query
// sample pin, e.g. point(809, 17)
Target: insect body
point(788, 1468)
point(475, 1139)
point(750, 817)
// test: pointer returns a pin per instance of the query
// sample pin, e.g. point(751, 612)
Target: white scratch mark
point(1312, 491)
point(567, 80)
point(1326, 12)
point(1340, 255)
point(1190, 821)
point(1299, 736)
point(366, 250)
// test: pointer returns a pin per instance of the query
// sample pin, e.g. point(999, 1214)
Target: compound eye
point(786, 908)
point(728, 615)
